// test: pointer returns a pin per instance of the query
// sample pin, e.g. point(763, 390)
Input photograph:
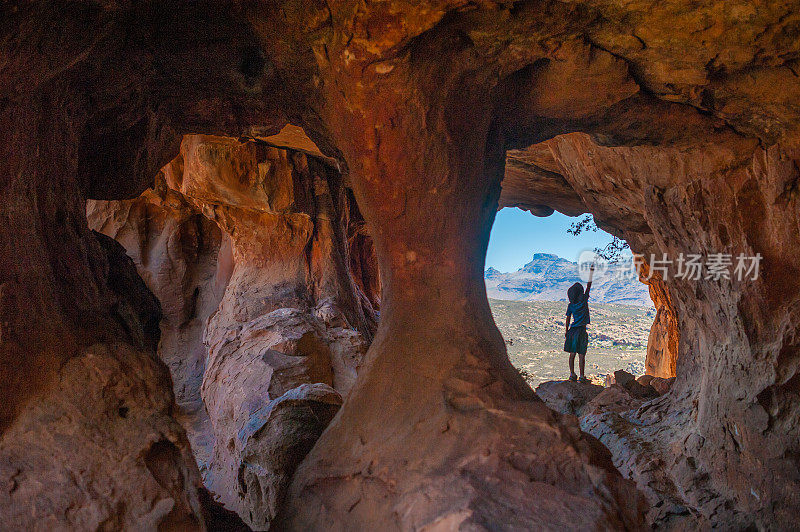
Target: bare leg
point(581, 362)
point(572, 364)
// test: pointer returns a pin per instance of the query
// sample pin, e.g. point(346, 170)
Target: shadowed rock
point(567, 397)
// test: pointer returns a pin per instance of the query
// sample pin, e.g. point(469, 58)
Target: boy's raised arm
point(589, 284)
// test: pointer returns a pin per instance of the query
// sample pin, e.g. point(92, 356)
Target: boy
point(576, 339)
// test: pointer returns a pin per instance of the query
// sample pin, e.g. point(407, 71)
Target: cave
point(531, 263)
point(243, 246)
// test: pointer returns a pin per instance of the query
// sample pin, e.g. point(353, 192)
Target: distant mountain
point(547, 278)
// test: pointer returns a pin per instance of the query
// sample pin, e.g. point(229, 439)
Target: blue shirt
point(579, 312)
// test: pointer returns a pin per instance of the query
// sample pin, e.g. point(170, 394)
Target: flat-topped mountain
point(547, 277)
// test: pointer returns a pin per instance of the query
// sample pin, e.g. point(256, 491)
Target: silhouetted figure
point(576, 339)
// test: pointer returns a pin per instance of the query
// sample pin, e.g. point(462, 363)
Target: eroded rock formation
point(184, 260)
point(100, 449)
point(247, 246)
point(706, 191)
point(662, 344)
point(676, 124)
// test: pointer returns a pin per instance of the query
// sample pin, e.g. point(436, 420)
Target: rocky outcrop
point(567, 397)
point(663, 343)
point(247, 246)
point(640, 451)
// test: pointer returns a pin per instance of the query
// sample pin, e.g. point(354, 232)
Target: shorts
point(577, 340)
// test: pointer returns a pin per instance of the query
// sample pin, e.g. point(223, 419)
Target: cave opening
point(531, 263)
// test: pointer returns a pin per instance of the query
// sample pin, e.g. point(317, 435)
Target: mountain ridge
point(547, 277)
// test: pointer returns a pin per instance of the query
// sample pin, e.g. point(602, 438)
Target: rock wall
point(88, 434)
point(184, 260)
point(247, 246)
point(723, 194)
point(664, 340)
point(88, 438)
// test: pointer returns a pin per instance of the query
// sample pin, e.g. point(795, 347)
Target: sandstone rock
point(662, 386)
point(87, 437)
point(439, 430)
point(137, 307)
point(290, 315)
point(567, 397)
point(183, 260)
point(633, 386)
point(641, 453)
point(700, 485)
point(285, 317)
point(663, 342)
point(614, 398)
point(248, 370)
point(275, 440)
point(219, 518)
point(101, 450)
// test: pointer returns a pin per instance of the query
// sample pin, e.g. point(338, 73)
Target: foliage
point(612, 252)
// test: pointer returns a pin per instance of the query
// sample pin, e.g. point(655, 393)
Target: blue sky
point(517, 235)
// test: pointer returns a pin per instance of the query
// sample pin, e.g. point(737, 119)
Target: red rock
point(644, 380)
point(104, 432)
point(662, 386)
point(664, 339)
point(180, 255)
point(567, 397)
point(259, 311)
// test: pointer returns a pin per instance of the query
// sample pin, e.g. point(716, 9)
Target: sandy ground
point(534, 334)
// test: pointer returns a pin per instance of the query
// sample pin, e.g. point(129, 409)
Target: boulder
point(614, 398)
point(661, 385)
point(623, 378)
point(100, 450)
point(567, 397)
point(632, 385)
